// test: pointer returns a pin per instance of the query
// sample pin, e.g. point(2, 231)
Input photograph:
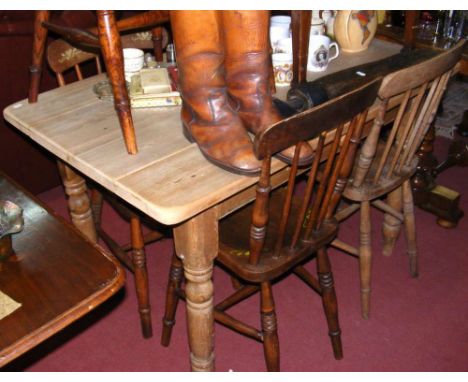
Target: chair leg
point(365, 258)
point(156, 35)
point(111, 48)
point(172, 299)
point(96, 207)
point(269, 328)
point(236, 283)
point(141, 276)
point(410, 227)
point(391, 225)
point(329, 302)
point(39, 43)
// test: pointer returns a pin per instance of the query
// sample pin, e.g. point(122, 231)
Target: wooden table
point(56, 274)
point(169, 179)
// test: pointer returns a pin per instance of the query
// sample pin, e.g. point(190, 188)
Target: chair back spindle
point(421, 88)
point(299, 218)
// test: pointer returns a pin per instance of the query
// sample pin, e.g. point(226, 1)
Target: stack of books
point(152, 87)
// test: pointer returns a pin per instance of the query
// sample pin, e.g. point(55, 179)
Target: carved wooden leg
point(330, 305)
point(172, 299)
point(269, 328)
point(196, 244)
point(141, 276)
point(365, 258)
point(391, 225)
point(96, 207)
point(78, 201)
point(111, 47)
point(39, 43)
point(410, 227)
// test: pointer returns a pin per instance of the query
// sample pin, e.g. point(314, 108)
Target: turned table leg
point(111, 48)
point(39, 43)
point(196, 243)
point(78, 201)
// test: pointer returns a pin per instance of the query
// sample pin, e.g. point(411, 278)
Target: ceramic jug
point(354, 30)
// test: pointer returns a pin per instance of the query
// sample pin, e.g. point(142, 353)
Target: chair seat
point(370, 190)
point(234, 242)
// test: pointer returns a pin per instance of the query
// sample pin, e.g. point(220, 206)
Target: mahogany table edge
point(25, 344)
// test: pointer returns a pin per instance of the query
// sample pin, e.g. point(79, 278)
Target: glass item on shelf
point(170, 54)
point(454, 25)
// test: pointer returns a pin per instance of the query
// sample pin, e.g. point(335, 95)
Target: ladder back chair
point(279, 231)
point(386, 163)
point(106, 37)
point(62, 58)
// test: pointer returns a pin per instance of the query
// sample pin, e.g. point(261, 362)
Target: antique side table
point(54, 277)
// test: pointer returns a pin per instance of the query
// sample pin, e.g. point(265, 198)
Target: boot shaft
point(207, 116)
point(200, 58)
point(248, 67)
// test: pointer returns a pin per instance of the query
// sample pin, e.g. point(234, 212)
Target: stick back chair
point(62, 57)
point(106, 37)
point(386, 163)
point(277, 233)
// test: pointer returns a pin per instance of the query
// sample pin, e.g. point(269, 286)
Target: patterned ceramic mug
point(319, 53)
point(282, 68)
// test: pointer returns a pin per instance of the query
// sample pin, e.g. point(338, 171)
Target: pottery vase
point(354, 30)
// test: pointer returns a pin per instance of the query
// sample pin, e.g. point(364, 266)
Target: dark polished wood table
point(55, 276)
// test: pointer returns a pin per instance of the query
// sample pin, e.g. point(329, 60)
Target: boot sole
point(235, 170)
point(302, 162)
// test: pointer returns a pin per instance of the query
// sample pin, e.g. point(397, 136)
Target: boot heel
point(187, 134)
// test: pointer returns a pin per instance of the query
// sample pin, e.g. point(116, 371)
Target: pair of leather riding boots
point(224, 79)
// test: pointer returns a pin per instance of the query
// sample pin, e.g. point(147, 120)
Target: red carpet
point(415, 325)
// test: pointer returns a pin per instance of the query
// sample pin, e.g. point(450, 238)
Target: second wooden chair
point(386, 163)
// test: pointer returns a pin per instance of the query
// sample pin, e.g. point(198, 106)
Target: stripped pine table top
point(168, 179)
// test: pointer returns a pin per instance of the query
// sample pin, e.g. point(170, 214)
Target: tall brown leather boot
point(207, 116)
point(248, 73)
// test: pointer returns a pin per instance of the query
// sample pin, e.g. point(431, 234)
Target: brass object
point(11, 222)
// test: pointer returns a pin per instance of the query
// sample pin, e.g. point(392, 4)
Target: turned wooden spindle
point(141, 276)
point(39, 43)
point(269, 328)
point(78, 201)
point(157, 37)
point(172, 294)
point(197, 244)
point(111, 47)
point(329, 301)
